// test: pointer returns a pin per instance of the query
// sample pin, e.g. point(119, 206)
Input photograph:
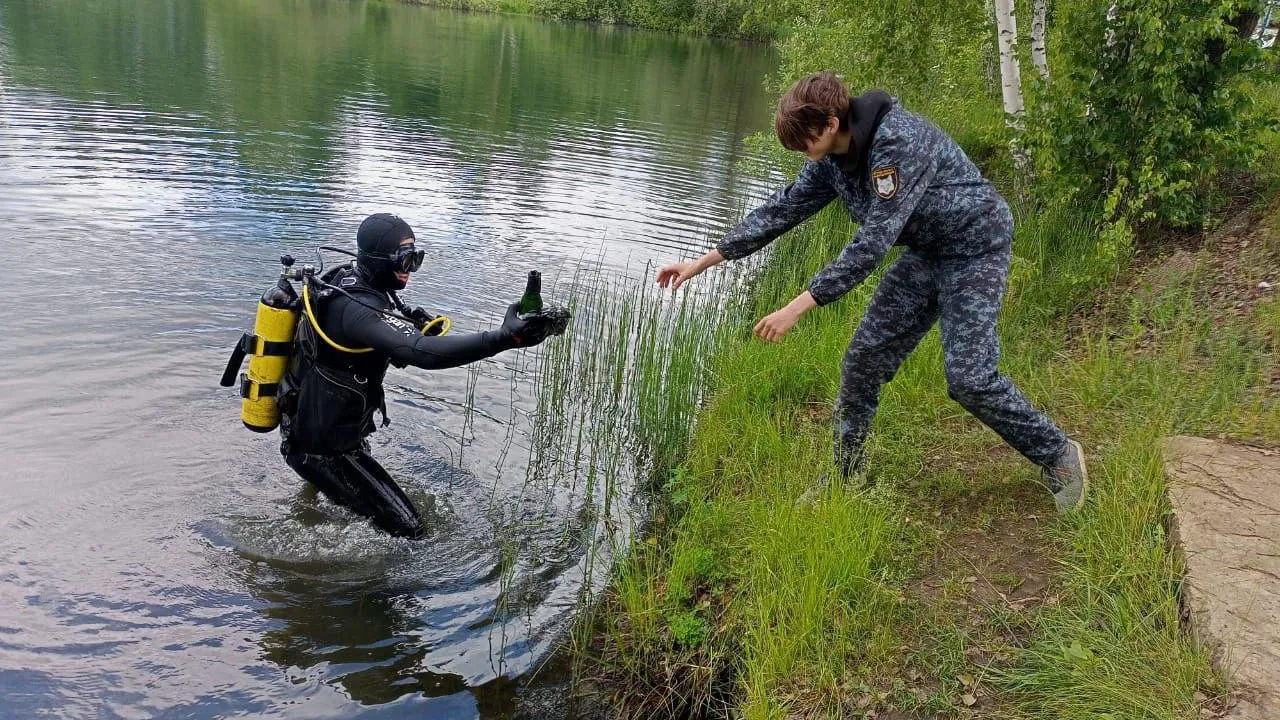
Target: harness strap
point(263, 389)
point(233, 365)
point(264, 347)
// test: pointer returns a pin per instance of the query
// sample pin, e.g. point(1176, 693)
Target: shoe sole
point(1084, 476)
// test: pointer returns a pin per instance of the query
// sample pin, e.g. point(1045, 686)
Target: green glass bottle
point(531, 301)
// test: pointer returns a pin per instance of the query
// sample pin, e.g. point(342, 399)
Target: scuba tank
point(268, 347)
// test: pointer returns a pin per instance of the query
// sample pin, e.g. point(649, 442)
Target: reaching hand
point(676, 274)
point(774, 325)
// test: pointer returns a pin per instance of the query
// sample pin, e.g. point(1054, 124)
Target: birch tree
point(1010, 80)
point(1037, 39)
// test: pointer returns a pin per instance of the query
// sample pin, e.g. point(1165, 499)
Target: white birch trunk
point(1010, 80)
point(1112, 12)
point(1037, 39)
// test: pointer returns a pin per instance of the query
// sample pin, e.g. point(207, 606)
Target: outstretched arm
point(406, 345)
point(783, 210)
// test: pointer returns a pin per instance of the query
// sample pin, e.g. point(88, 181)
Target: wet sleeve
point(790, 206)
point(406, 345)
point(901, 170)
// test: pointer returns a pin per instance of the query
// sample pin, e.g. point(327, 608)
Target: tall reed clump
point(618, 395)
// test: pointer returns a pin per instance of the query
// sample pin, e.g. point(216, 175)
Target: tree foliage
point(936, 56)
point(749, 19)
point(1146, 116)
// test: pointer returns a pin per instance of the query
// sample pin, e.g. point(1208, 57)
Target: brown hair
point(807, 107)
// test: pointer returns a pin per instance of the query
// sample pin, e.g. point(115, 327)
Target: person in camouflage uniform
point(907, 183)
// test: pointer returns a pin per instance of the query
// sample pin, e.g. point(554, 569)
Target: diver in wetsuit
point(334, 382)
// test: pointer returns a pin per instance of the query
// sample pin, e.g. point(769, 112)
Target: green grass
point(739, 599)
point(735, 600)
point(1171, 364)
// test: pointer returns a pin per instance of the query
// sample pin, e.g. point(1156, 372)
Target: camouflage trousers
point(964, 295)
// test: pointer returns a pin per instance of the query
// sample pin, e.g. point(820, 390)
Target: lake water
point(156, 158)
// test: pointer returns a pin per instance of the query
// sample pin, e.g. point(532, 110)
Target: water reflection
point(489, 132)
point(366, 637)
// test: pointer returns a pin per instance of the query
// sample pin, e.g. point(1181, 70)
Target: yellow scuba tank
point(268, 347)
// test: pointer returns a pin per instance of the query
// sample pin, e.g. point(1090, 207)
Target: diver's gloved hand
point(530, 330)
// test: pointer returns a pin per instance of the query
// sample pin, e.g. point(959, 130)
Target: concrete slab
point(1226, 507)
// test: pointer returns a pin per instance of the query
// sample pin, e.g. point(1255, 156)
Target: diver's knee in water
point(357, 482)
point(389, 507)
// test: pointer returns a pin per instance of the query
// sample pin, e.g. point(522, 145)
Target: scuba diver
point(330, 375)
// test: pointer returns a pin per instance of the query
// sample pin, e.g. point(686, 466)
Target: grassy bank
point(510, 7)
point(947, 586)
point(744, 598)
point(742, 19)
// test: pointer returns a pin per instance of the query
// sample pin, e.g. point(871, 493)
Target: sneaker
point(858, 479)
point(1068, 479)
point(811, 494)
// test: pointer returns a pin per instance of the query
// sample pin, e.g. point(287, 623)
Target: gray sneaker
point(811, 494)
point(1068, 479)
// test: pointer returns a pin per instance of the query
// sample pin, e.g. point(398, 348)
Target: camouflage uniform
point(912, 185)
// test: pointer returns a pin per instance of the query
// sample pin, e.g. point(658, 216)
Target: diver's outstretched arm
point(406, 345)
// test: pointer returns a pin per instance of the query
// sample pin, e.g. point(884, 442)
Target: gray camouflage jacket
point(916, 188)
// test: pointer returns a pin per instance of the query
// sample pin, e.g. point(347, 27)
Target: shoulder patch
point(884, 180)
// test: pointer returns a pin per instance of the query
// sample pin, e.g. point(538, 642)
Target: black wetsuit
point(329, 396)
